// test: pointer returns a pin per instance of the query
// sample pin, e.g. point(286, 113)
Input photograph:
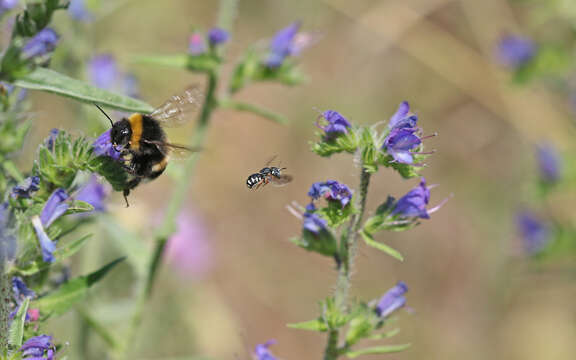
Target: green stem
point(332, 351)
point(4, 300)
point(179, 194)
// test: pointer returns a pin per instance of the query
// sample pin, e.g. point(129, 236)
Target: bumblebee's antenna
point(103, 112)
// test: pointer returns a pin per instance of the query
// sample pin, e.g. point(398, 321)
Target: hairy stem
point(4, 300)
point(332, 351)
point(179, 194)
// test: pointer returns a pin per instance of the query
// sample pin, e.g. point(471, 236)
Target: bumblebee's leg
point(131, 185)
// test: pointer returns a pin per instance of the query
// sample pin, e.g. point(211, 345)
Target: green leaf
point(369, 240)
point(385, 335)
point(179, 61)
point(73, 291)
point(79, 206)
point(17, 327)
point(384, 349)
point(311, 325)
point(60, 254)
point(54, 82)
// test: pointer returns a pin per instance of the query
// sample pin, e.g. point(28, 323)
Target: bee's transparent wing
point(180, 108)
point(175, 151)
point(283, 180)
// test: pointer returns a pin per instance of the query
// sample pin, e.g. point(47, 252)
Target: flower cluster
point(515, 50)
point(38, 347)
point(404, 136)
point(286, 43)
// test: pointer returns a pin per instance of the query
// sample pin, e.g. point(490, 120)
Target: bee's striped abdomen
point(254, 179)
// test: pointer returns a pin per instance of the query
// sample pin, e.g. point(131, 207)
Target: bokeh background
point(237, 280)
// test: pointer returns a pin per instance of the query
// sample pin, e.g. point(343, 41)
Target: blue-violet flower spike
point(38, 347)
point(403, 118)
point(515, 50)
point(534, 232)
point(413, 204)
point(263, 353)
point(78, 11)
point(217, 36)
point(393, 300)
point(196, 44)
point(103, 71)
point(94, 193)
point(20, 290)
point(313, 223)
point(103, 146)
point(26, 188)
point(55, 207)
point(40, 44)
point(281, 45)
point(549, 163)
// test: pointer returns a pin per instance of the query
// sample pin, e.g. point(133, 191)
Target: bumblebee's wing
point(175, 151)
point(179, 108)
point(283, 180)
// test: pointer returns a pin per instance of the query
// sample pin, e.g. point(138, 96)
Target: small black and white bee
point(269, 174)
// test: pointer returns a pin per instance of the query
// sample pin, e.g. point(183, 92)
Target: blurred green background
point(472, 293)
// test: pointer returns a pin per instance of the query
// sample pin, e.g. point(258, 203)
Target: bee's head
point(120, 134)
point(276, 171)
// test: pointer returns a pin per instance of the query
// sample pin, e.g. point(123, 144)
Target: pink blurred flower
point(189, 251)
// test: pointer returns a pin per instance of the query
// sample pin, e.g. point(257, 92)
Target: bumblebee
point(269, 174)
point(141, 140)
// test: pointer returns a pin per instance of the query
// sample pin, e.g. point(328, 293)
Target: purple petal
point(20, 289)
point(103, 146)
point(196, 44)
point(403, 110)
point(515, 50)
point(535, 233)
point(217, 36)
point(48, 247)
point(78, 11)
point(94, 193)
point(42, 43)
point(281, 45)
point(262, 352)
point(549, 163)
point(393, 300)
point(103, 71)
point(55, 207)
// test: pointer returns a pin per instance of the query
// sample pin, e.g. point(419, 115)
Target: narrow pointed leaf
point(174, 60)
point(369, 240)
point(51, 81)
point(17, 327)
point(73, 291)
point(312, 325)
point(384, 349)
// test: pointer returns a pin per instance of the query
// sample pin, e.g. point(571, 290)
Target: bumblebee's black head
point(120, 134)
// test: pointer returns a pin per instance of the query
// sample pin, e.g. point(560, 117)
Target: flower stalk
point(348, 255)
point(169, 226)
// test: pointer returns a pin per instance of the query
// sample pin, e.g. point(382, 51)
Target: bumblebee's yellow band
point(136, 125)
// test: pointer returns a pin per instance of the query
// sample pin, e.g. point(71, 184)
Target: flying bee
point(141, 140)
point(269, 174)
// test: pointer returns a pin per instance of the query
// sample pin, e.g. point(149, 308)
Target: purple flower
point(38, 347)
point(6, 5)
point(26, 188)
point(103, 71)
point(94, 193)
point(78, 11)
point(41, 44)
point(549, 163)
point(196, 44)
point(403, 118)
point(54, 208)
point(393, 300)
point(413, 204)
point(313, 222)
point(217, 36)
point(287, 42)
point(20, 290)
point(51, 138)
point(404, 136)
point(102, 146)
point(262, 352)
point(189, 249)
point(332, 190)
point(334, 123)
point(515, 50)
point(534, 232)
